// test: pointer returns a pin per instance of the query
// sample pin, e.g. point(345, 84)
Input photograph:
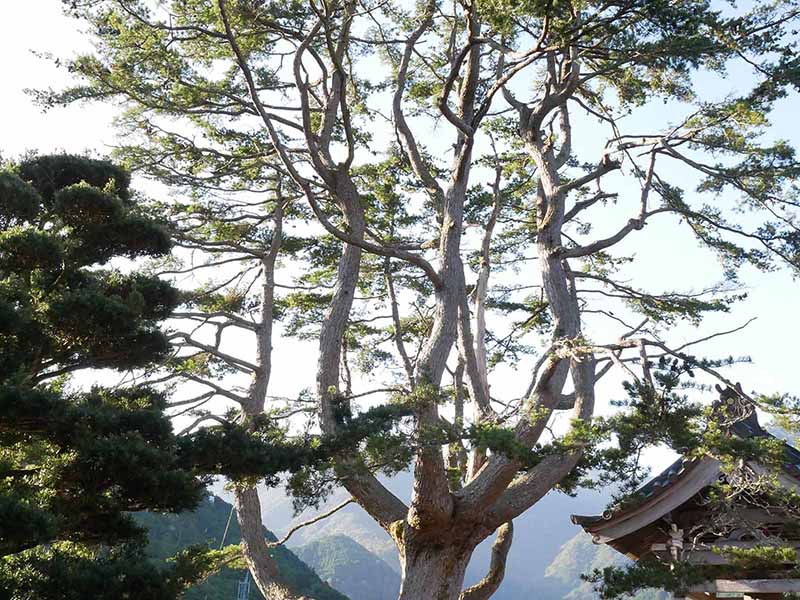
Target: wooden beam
point(749, 586)
point(706, 555)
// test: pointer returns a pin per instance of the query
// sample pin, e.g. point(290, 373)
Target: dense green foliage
point(73, 462)
point(169, 533)
point(264, 451)
point(538, 152)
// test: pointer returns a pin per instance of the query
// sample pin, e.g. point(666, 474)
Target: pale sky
point(772, 340)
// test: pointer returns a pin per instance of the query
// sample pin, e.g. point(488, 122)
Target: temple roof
point(655, 486)
point(676, 485)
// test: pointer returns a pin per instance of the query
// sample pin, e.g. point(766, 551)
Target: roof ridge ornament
point(734, 409)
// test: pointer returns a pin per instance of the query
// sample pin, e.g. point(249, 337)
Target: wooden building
point(671, 518)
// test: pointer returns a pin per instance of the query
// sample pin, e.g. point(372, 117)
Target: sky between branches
point(37, 26)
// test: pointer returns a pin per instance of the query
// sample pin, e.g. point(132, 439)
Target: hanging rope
point(225, 533)
point(222, 542)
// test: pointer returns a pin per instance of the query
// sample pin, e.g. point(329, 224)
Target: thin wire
point(225, 533)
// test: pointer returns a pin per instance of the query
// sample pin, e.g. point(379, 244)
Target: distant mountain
point(581, 556)
point(358, 526)
point(351, 521)
point(170, 533)
point(350, 568)
point(539, 535)
point(544, 541)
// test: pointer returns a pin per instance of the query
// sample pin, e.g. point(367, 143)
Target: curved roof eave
point(698, 475)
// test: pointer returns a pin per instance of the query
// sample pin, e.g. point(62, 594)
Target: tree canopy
point(435, 191)
point(75, 462)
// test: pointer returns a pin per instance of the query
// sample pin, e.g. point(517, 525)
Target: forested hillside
point(349, 567)
point(169, 533)
point(580, 556)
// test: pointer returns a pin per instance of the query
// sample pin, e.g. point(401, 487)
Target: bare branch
point(316, 519)
point(632, 225)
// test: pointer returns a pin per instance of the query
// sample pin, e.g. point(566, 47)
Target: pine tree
point(75, 461)
point(430, 190)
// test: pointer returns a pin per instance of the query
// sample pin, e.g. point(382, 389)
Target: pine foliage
point(75, 461)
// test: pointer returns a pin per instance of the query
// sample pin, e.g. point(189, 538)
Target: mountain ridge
point(547, 557)
point(350, 568)
point(208, 524)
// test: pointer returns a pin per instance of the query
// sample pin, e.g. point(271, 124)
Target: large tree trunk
point(255, 550)
point(433, 562)
point(265, 571)
point(433, 572)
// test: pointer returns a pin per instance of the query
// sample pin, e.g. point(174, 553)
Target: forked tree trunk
point(433, 572)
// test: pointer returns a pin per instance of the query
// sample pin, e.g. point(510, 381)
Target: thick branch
point(632, 225)
point(256, 550)
point(409, 143)
point(486, 587)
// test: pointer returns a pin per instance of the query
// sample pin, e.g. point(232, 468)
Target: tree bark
point(373, 496)
point(248, 508)
point(255, 550)
point(433, 572)
point(486, 587)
